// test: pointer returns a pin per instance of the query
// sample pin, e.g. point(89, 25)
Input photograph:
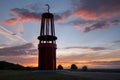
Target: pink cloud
point(94, 14)
point(101, 14)
point(88, 48)
point(11, 21)
point(96, 9)
point(86, 14)
point(23, 15)
point(26, 49)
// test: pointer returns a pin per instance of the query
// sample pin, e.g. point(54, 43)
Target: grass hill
point(7, 65)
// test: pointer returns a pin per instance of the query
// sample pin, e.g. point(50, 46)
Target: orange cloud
point(109, 56)
point(33, 62)
point(20, 29)
point(91, 59)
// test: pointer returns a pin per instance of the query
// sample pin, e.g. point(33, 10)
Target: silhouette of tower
point(47, 43)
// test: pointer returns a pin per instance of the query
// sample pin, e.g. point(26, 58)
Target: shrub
point(74, 67)
point(60, 67)
point(84, 68)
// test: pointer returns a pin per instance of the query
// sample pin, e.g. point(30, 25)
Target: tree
point(60, 67)
point(74, 67)
point(84, 68)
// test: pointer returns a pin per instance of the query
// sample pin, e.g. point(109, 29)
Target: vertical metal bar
point(46, 25)
point(43, 25)
point(46, 28)
point(51, 27)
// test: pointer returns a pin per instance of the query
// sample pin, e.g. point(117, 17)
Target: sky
point(88, 31)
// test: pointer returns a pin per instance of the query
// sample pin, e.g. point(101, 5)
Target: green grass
point(29, 75)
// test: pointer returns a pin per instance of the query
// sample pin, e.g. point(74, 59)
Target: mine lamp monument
point(47, 43)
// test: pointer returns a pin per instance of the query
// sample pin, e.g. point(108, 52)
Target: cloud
point(92, 10)
point(98, 25)
point(63, 15)
point(36, 6)
point(90, 57)
point(96, 9)
point(26, 49)
point(9, 38)
point(115, 22)
point(20, 29)
point(25, 60)
point(89, 48)
point(105, 62)
point(23, 16)
point(116, 42)
point(95, 14)
point(91, 15)
point(89, 25)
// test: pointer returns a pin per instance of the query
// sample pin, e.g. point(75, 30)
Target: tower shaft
point(47, 56)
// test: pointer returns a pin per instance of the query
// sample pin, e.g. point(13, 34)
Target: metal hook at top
point(48, 7)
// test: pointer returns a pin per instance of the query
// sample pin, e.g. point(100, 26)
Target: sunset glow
point(88, 32)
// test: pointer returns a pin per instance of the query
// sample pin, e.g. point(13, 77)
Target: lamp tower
point(47, 43)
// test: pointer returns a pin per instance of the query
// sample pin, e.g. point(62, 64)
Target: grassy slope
point(29, 75)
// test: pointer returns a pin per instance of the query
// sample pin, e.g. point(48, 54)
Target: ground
point(94, 75)
point(36, 75)
point(58, 75)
